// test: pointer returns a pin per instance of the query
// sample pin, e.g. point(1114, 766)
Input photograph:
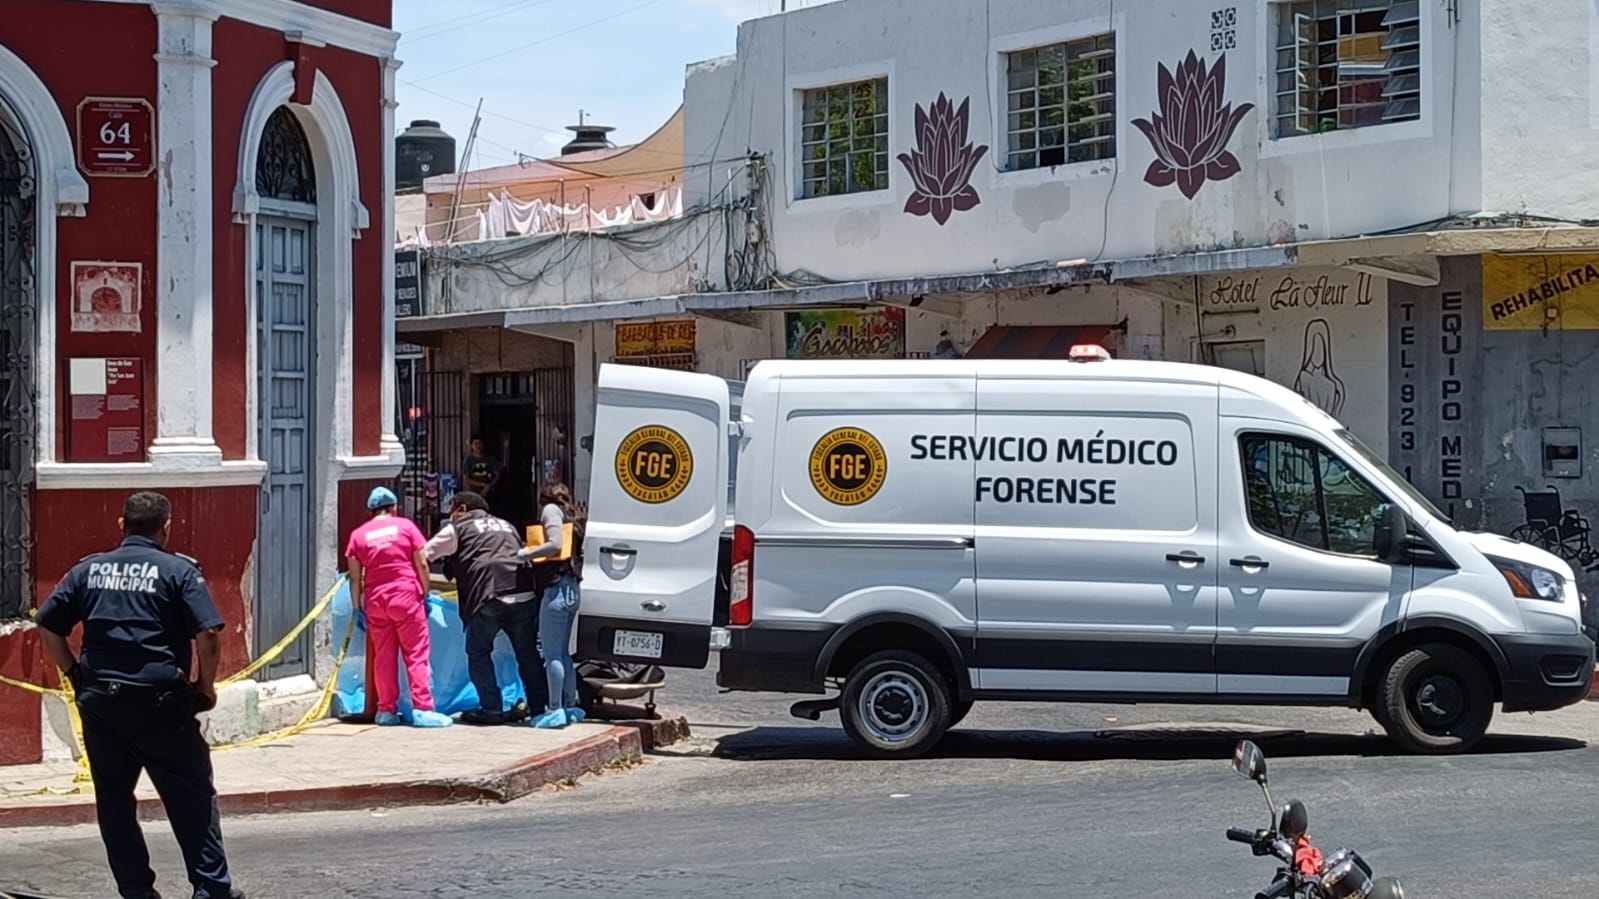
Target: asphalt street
point(1022, 800)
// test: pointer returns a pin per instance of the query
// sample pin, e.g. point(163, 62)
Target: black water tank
point(421, 151)
point(589, 137)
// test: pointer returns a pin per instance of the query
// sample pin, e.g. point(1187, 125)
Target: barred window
point(844, 141)
point(1061, 103)
point(1347, 64)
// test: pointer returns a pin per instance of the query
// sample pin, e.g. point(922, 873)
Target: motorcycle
point(1304, 873)
point(599, 681)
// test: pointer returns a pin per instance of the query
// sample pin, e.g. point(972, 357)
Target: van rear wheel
point(895, 705)
point(1436, 699)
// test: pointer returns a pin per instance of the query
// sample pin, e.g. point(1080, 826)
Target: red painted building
point(195, 222)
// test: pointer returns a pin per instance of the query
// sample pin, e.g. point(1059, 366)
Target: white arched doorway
point(298, 186)
point(39, 181)
point(286, 330)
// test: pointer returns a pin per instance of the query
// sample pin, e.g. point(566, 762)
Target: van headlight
point(1530, 581)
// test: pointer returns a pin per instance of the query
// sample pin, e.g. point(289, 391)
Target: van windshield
point(1398, 480)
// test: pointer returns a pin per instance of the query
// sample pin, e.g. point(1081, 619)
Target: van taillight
point(741, 606)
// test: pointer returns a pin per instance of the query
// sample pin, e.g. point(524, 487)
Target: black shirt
point(480, 469)
point(483, 551)
point(140, 607)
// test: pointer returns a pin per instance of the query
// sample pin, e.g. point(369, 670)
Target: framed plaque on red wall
point(107, 415)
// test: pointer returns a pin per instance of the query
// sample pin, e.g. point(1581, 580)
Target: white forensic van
point(920, 535)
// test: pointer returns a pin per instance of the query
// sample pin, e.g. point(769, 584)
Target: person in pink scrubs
point(388, 582)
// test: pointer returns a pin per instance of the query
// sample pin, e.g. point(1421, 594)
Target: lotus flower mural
point(941, 166)
point(1192, 126)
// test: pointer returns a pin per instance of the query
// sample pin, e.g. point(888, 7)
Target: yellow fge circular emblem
point(654, 464)
point(848, 466)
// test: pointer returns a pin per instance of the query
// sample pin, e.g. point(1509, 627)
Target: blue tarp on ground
point(452, 688)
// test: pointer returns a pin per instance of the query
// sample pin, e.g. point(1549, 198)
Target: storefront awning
point(1035, 342)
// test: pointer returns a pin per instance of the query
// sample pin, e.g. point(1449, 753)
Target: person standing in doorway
point(480, 470)
point(138, 689)
point(388, 587)
point(494, 595)
point(558, 608)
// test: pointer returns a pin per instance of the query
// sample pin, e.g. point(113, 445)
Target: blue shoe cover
point(429, 718)
point(551, 720)
point(575, 716)
point(389, 719)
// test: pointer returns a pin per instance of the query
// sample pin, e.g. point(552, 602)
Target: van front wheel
point(1436, 699)
point(895, 705)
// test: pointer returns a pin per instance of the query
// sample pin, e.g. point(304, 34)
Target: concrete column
point(390, 440)
point(184, 333)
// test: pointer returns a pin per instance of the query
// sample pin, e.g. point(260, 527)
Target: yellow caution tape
point(82, 780)
point(313, 714)
point(266, 658)
point(31, 688)
point(271, 655)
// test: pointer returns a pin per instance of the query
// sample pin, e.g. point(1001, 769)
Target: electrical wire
point(427, 32)
point(544, 40)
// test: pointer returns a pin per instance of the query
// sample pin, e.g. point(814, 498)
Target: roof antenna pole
point(460, 179)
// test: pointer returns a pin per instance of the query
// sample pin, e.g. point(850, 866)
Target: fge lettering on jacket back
point(485, 525)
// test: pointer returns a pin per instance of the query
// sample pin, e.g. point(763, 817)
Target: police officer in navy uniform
point(138, 691)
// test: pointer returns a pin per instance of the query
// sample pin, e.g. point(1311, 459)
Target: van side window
point(1299, 492)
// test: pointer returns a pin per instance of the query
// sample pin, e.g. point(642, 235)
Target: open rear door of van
point(657, 508)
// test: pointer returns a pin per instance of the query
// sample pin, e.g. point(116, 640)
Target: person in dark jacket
point(494, 593)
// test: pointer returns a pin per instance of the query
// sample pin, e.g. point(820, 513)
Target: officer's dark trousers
point(133, 729)
point(520, 621)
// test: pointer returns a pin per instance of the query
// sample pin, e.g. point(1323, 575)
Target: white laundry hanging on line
point(505, 215)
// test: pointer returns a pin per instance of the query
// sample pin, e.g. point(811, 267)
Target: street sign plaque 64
point(116, 137)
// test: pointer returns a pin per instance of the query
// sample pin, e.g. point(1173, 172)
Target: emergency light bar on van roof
point(1088, 352)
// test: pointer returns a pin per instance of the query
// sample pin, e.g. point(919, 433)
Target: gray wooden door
point(286, 368)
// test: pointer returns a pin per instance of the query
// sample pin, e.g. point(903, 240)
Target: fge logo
point(848, 466)
point(654, 464)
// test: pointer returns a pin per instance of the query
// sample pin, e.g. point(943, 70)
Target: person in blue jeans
point(557, 609)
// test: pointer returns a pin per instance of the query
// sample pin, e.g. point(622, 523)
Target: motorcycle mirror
point(1295, 820)
point(1388, 540)
point(1250, 762)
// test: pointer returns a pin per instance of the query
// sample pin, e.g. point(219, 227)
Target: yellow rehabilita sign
point(1530, 293)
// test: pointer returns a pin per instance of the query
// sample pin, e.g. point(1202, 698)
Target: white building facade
point(1339, 195)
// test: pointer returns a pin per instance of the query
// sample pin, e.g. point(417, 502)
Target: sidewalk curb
point(655, 733)
point(627, 741)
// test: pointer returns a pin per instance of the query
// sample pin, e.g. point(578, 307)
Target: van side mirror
point(1392, 529)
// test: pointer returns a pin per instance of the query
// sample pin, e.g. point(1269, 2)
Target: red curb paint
point(627, 740)
point(658, 732)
